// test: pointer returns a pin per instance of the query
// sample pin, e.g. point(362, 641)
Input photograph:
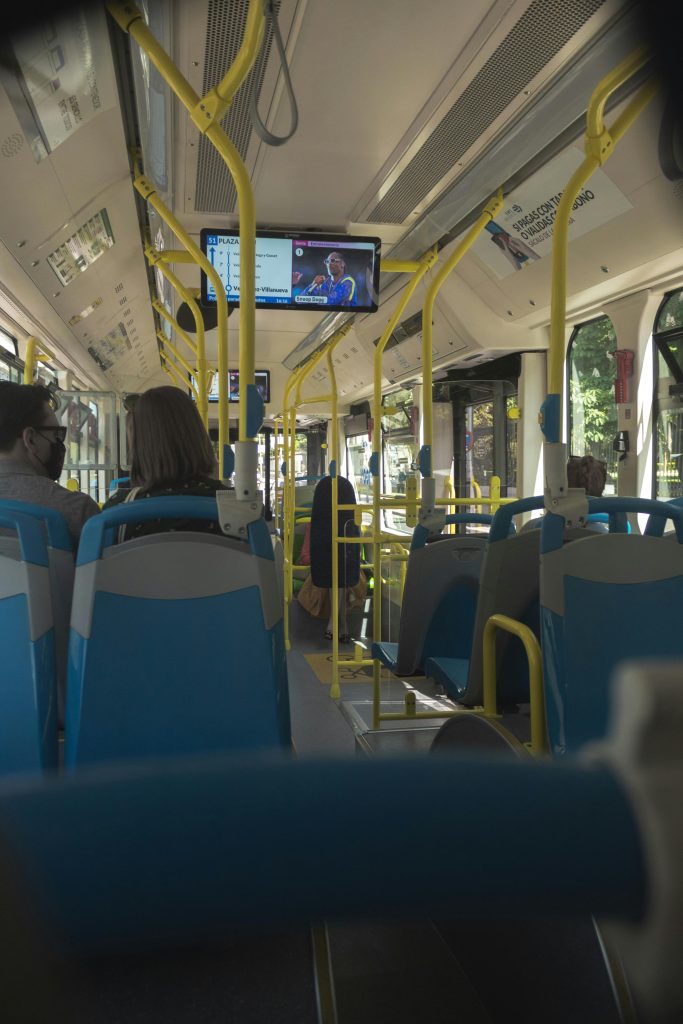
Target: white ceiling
point(371, 79)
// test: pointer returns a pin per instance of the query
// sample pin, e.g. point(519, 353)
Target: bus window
point(592, 410)
point(399, 453)
point(358, 452)
point(668, 337)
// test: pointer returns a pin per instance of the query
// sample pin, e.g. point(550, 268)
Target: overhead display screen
point(298, 271)
point(262, 381)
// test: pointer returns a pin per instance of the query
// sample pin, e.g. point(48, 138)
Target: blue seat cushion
point(451, 673)
point(386, 653)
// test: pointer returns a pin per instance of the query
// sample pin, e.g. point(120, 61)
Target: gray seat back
point(509, 585)
point(439, 599)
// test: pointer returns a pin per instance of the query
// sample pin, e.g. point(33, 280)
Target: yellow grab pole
point(169, 318)
point(400, 266)
point(599, 145)
point(335, 692)
point(181, 359)
point(288, 502)
point(535, 661)
point(220, 97)
point(30, 361)
point(333, 468)
point(488, 213)
point(494, 494)
point(288, 493)
point(206, 114)
point(35, 350)
point(427, 261)
point(247, 221)
point(176, 374)
point(183, 335)
point(130, 19)
point(198, 349)
point(148, 192)
point(276, 470)
point(291, 403)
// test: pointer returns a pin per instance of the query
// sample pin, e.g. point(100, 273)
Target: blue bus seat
point(508, 585)
point(28, 695)
point(60, 557)
point(612, 598)
point(657, 525)
point(439, 599)
point(177, 642)
point(119, 483)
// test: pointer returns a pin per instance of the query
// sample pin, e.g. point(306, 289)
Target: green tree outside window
point(592, 408)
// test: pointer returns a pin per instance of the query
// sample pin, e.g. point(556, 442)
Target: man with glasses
point(338, 287)
point(32, 455)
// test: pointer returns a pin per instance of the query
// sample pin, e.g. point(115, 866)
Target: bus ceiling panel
point(32, 313)
point(33, 202)
point(93, 159)
point(355, 103)
point(92, 272)
point(550, 112)
point(639, 249)
point(628, 215)
point(207, 35)
point(359, 98)
point(60, 126)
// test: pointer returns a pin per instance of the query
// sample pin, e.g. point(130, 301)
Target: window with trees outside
point(591, 408)
point(668, 338)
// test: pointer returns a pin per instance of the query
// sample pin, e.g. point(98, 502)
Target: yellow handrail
point(425, 264)
point(487, 215)
point(291, 403)
point(35, 350)
point(148, 192)
point(533, 653)
point(158, 259)
point(599, 146)
point(206, 113)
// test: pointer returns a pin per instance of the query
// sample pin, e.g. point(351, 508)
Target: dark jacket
point(321, 535)
point(200, 487)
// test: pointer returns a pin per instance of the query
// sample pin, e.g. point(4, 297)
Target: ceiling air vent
point(408, 329)
point(215, 189)
point(544, 28)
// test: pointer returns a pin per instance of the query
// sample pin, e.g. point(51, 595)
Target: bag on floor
point(314, 599)
point(355, 596)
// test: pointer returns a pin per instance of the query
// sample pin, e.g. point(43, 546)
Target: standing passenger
point(348, 555)
point(32, 455)
point(171, 454)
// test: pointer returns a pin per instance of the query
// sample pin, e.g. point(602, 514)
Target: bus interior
point(306, 874)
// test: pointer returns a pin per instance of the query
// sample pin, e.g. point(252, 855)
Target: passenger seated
point(32, 455)
point(587, 472)
point(171, 454)
point(582, 471)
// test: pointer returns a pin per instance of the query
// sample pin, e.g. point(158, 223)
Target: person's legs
point(341, 612)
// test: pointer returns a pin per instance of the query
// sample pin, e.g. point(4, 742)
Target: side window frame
point(578, 328)
point(662, 347)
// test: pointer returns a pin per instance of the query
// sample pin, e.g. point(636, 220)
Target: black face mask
point(55, 461)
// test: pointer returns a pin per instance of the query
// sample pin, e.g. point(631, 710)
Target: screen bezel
point(258, 373)
point(304, 236)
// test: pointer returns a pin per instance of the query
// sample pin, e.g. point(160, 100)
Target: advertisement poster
point(110, 348)
point(75, 255)
point(58, 62)
point(522, 232)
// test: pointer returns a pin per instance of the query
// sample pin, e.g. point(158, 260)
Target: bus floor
point(324, 726)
